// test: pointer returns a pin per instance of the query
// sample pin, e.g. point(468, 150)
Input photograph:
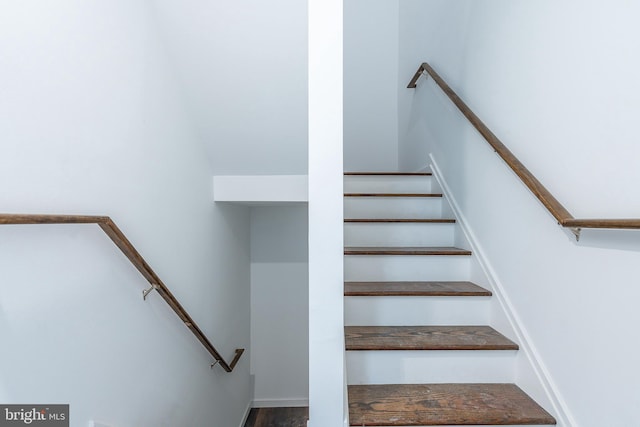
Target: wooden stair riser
point(411, 367)
point(400, 268)
point(394, 234)
point(392, 207)
point(388, 184)
point(400, 311)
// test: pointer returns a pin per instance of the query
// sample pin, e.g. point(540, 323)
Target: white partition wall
point(326, 344)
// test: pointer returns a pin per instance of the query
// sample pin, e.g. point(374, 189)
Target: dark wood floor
point(278, 417)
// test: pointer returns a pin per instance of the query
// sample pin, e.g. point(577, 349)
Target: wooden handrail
point(559, 212)
point(121, 241)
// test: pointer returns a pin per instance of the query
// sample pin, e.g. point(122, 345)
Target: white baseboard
point(280, 403)
point(246, 414)
point(560, 407)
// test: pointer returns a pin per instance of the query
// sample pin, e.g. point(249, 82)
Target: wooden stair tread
point(443, 404)
point(387, 173)
point(435, 289)
point(403, 220)
point(404, 250)
point(426, 338)
point(407, 195)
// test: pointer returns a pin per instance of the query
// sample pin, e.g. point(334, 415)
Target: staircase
point(419, 352)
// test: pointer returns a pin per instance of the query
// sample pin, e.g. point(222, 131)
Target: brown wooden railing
point(552, 204)
point(121, 241)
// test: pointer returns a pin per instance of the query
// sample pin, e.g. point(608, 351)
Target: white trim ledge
point(261, 189)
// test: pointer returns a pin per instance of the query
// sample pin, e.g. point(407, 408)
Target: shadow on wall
point(625, 240)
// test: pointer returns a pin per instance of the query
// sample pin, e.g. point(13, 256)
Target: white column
point(326, 320)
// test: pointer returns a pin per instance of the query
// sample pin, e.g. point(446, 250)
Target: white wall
point(556, 82)
point(439, 30)
point(243, 64)
point(93, 123)
point(370, 93)
point(280, 305)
